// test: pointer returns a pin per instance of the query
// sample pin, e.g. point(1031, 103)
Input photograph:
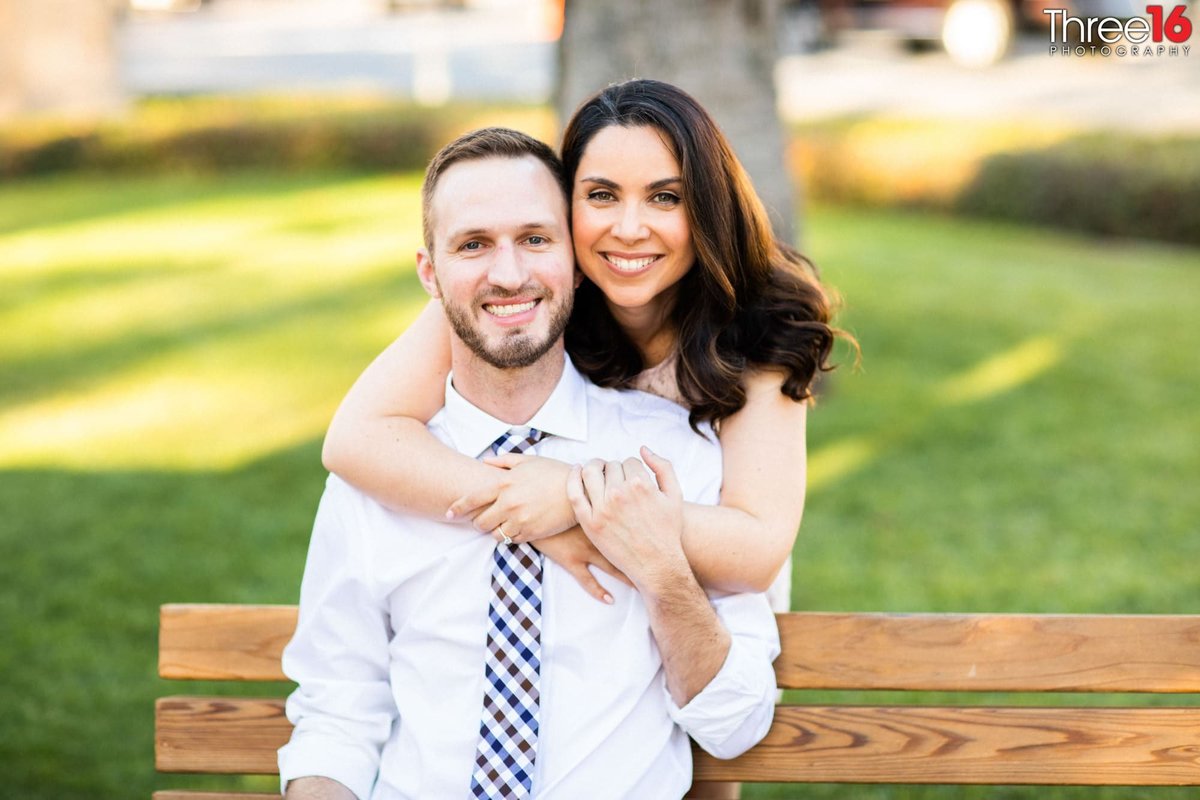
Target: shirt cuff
point(320, 756)
point(734, 711)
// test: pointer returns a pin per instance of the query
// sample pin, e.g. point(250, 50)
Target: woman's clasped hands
point(528, 503)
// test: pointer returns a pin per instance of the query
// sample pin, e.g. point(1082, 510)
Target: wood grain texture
point(223, 642)
point(919, 652)
point(972, 745)
point(822, 744)
point(990, 652)
point(226, 735)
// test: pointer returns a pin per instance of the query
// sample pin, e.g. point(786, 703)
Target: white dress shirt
point(389, 649)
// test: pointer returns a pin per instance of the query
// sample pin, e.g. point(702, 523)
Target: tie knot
point(517, 440)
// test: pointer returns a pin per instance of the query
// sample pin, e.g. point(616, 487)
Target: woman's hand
point(634, 518)
point(528, 503)
point(574, 552)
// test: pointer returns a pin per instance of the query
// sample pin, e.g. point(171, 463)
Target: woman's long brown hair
point(749, 302)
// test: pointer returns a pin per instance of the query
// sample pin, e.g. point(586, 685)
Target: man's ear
point(425, 273)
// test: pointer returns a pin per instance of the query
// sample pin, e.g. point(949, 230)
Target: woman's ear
point(426, 274)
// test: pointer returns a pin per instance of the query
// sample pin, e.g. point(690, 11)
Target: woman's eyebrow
point(659, 184)
point(602, 181)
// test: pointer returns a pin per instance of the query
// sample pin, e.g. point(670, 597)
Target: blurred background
point(208, 214)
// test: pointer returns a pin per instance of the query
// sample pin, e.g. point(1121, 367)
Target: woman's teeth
point(630, 264)
point(510, 309)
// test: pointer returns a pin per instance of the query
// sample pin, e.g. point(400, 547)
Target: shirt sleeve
point(734, 711)
point(342, 709)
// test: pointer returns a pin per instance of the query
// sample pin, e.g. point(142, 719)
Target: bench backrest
point(897, 743)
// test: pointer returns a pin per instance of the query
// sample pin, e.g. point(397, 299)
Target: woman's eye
point(666, 198)
point(601, 195)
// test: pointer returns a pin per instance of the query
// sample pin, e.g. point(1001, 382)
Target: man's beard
point(513, 351)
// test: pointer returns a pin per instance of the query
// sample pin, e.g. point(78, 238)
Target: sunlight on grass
point(834, 461)
point(216, 408)
point(1003, 372)
point(197, 261)
point(998, 374)
point(200, 333)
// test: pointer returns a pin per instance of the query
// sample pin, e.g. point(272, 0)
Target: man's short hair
point(481, 144)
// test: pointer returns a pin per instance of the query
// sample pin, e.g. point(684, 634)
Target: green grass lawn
point(1021, 436)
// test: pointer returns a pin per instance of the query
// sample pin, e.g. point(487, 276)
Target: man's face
point(501, 258)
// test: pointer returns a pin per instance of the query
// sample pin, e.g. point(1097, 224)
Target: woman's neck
point(650, 328)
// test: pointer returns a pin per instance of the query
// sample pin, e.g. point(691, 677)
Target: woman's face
point(631, 231)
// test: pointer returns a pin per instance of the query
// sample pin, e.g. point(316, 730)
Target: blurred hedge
point(281, 134)
point(1114, 184)
point(1110, 184)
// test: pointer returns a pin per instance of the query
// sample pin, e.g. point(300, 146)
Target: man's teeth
point(510, 309)
point(630, 264)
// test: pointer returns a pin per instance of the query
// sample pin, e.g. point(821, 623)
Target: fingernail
point(449, 513)
point(608, 598)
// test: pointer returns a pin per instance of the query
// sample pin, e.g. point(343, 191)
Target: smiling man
point(433, 661)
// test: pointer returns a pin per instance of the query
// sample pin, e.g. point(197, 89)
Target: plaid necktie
point(508, 732)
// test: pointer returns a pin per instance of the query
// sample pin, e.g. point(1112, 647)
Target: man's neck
point(510, 395)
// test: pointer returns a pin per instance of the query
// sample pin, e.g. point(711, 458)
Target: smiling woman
point(632, 237)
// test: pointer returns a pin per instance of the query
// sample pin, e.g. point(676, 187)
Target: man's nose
point(629, 226)
point(507, 269)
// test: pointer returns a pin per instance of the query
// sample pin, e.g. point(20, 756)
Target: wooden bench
point(899, 743)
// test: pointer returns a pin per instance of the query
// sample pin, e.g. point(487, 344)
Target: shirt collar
point(564, 414)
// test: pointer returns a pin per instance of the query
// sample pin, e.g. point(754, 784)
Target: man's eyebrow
point(467, 232)
point(532, 225)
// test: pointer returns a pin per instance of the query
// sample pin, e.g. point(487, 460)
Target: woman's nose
point(629, 227)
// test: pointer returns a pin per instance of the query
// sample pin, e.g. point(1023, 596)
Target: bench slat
point(223, 642)
point(919, 652)
point(856, 744)
point(222, 735)
point(965, 745)
point(990, 652)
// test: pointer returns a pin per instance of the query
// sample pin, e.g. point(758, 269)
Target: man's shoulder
point(634, 404)
point(640, 412)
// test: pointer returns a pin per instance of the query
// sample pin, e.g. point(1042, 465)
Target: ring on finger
point(507, 538)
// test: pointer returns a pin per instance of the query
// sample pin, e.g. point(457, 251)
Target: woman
point(687, 295)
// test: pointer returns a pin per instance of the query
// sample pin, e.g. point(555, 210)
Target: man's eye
point(472, 246)
point(537, 240)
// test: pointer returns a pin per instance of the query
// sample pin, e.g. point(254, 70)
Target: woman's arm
point(741, 544)
point(378, 441)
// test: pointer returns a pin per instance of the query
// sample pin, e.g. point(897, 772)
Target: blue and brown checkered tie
point(508, 732)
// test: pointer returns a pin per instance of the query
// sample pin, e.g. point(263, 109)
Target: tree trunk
point(722, 52)
point(58, 57)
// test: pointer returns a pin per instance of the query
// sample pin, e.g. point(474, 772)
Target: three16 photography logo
point(1161, 33)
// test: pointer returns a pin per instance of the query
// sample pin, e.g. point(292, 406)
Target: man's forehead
point(497, 192)
point(481, 175)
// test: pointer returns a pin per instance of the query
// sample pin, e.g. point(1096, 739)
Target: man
point(434, 662)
